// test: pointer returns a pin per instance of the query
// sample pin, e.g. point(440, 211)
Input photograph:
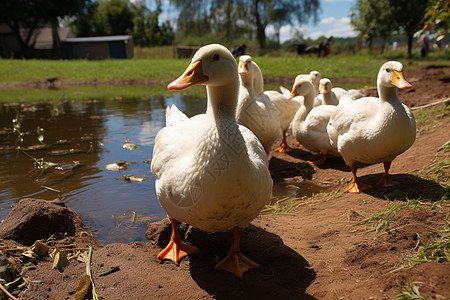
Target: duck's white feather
point(373, 130)
point(211, 172)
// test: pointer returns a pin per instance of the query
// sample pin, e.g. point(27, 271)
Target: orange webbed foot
point(357, 188)
point(283, 148)
point(386, 182)
point(236, 263)
point(176, 250)
point(317, 162)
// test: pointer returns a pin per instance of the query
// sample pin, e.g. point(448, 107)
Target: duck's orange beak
point(399, 81)
point(243, 69)
point(192, 76)
point(292, 95)
point(322, 89)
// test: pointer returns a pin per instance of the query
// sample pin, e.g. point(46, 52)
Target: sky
point(333, 20)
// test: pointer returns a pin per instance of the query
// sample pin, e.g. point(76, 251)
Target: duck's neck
point(303, 111)
point(246, 89)
point(223, 101)
point(327, 98)
point(388, 94)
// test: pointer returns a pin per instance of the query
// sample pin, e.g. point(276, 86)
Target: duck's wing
point(286, 92)
point(175, 144)
point(174, 115)
point(354, 115)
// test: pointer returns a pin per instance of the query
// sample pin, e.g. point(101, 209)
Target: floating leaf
point(129, 146)
point(40, 248)
point(59, 258)
point(132, 178)
point(83, 287)
point(148, 161)
point(121, 165)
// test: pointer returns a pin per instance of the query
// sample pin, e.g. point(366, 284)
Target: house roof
point(94, 39)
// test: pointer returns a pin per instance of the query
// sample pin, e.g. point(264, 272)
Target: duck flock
point(212, 169)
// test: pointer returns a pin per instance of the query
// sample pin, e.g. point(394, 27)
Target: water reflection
point(77, 139)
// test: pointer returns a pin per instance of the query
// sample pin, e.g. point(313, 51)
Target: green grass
point(359, 70)
point(439, 168)
point(435, 249)
point(383, 219)
point(426, 118)
point(282, 205)
point(411, 292)
point(14, 70)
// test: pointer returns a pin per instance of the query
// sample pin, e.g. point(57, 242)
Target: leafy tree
point(265, 12)
point(25, 17)
point(437, 18)
point(372, 18)
point(409, 15)
point(234, 17)
point(105, 17)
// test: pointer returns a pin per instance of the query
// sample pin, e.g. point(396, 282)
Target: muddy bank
point(316, 251)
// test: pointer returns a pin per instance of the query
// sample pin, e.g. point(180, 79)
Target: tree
point(105, 17)
point(409, 16)
point(437, 18)
point(25, 17)
point(200, 17)
point(264, 13)
point(371, 18)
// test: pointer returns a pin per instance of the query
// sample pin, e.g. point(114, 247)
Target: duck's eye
point(216, 57)
point(387, 70)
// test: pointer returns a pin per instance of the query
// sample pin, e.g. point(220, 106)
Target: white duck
point(373, 130)
point(259, 115)
point(310, 123)
point(211, 172)
point(285, 108)
point(327, 95)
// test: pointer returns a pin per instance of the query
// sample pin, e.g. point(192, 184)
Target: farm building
point(100, 47)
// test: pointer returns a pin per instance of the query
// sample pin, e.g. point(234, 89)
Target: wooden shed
point(99, 47)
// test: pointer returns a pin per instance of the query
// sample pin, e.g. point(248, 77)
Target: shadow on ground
point(282, 272)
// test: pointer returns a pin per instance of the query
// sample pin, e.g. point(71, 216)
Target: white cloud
point(327, 27)
point(328, 20)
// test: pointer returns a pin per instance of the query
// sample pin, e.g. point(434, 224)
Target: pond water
point(65, 149)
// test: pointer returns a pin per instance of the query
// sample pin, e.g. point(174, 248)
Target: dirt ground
point(312, 252)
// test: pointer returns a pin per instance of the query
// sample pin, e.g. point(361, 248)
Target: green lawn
point(356, 71)
point(358, 66)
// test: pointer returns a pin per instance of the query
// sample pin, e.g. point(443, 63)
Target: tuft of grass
point(426, 118)
point(411, 292)
point(383, 219)
point(437, 249)
point(439, 168)
point(282, 205)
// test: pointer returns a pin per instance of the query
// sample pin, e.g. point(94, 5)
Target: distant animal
point(322, 49)
point(238, 50)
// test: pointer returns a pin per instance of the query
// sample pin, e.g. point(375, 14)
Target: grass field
point(356, 71)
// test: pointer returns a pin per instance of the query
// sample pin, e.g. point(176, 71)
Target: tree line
point(386, 18)
point(206, 21)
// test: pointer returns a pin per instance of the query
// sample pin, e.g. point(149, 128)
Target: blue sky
point(333, 20)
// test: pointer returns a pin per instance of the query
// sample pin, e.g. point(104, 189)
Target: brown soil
point(313, 252)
